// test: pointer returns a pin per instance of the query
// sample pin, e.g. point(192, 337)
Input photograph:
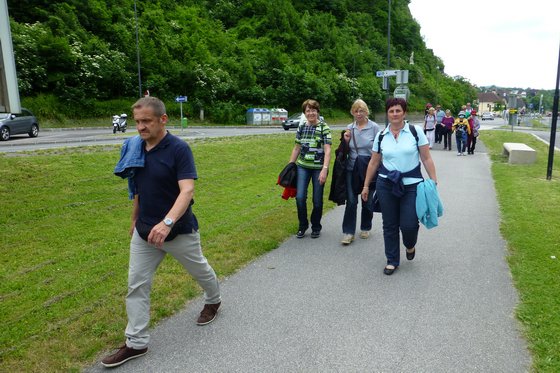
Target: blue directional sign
point(181, 99)
point(386, 73)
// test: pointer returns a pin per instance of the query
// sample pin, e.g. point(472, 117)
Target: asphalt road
point(56, 138)
point(313, 305)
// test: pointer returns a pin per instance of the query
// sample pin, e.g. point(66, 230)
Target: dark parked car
point(294, 120)
point(15, 124)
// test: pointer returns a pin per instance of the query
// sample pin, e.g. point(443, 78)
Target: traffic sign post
point(180, 100)
point(385, 85)
point(402, 90)
point(402, 77)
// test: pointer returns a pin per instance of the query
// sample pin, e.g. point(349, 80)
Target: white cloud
point(506, 43)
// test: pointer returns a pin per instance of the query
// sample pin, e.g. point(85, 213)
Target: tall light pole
point(138, 53)
point(553, 124)
point(389, 40)
point(388, 59)
point(354, 78)
point(9, 92)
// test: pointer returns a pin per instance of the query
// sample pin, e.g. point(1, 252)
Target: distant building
point(487, 101)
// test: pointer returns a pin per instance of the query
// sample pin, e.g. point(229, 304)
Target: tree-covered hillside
point(225, 55)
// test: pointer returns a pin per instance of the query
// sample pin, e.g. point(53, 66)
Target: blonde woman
point(359, 135)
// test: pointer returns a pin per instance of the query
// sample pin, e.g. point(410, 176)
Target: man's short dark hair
point(152, 102)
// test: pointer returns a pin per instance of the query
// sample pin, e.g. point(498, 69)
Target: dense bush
point(225, 55)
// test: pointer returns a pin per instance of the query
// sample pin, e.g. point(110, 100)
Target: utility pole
point(9, 92)
point(386, 80)
point(138, 53)
point(552, 141)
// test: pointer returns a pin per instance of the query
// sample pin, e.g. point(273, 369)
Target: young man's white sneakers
point(364, 235)
point(347, 239)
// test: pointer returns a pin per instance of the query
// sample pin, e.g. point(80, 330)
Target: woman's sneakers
point(347, 239)
point(315, 234)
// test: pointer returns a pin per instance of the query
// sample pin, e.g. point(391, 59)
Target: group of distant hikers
point(440, 125)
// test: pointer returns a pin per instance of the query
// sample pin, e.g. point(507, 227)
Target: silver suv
point(18, 123)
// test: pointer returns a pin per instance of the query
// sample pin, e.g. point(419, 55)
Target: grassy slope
point(530, 207)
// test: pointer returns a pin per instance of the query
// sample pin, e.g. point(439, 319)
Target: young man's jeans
point(304, 175)
point(351, 209)
point(461, 143)
point(397, 213)
point(144, 260)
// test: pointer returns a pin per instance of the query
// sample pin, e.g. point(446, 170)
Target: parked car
point(18, 123)
point(487, 116)
point(294, 120)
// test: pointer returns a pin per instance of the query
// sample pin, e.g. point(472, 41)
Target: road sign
point(181, 99)
point(385, 83)
point(402, 76)
point(402, 91)
point(385, 73)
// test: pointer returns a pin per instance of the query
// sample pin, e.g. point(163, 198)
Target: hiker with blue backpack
point(395, 164)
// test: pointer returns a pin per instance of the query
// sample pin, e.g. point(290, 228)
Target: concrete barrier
point(519, 153)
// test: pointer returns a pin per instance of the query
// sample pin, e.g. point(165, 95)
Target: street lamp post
point(388, 58)
point(552, 141)
point(354, 77)
point(138, 53)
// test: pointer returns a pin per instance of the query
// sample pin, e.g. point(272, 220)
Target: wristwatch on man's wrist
point(168, 221)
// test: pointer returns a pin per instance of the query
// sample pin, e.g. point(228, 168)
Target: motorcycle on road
point(119, 123)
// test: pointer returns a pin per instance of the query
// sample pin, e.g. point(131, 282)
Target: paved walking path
point(313, 305)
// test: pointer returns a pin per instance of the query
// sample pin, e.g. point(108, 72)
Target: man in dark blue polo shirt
point(162, 222)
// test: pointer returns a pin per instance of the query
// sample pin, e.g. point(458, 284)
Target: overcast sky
point(506, 43)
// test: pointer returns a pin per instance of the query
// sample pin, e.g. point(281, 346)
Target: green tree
point(226, 55)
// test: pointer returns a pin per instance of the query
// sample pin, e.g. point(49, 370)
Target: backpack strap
point(414, 133)
point(380, 138)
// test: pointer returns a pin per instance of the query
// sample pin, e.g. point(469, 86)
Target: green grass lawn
point(530, 208)
point(64, 240)
point(65, 220)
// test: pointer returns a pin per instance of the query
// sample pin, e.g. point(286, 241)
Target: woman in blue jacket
point(397, 152)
